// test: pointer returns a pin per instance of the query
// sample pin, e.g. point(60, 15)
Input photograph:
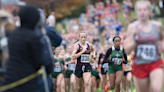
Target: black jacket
point(25, 52)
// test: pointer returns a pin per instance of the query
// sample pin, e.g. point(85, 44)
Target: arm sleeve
point(106, 57)
point(100, 57)
point(54, 36)
point(125, 57)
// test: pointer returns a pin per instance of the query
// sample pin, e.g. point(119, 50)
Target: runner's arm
point(106, 60)
point(74, 55)
point(161, 49)
point(93, 48)
point(125, 57)
point(129, 43)
point(70, 62)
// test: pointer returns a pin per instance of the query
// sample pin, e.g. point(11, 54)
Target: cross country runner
point(115, 56)
point(104, 67)
point(81, 52)
point(95, 73)
point(57, 75)
point(146, 37)
point(69, 75)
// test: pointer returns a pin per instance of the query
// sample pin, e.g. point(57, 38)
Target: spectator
point(25, 51)
point(51, 19)
point(161, 6)
point(64, 37)
point(9, 8)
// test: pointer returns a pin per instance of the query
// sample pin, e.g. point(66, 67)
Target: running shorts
point(143, 71)
point(126, 72)
point(79, 70)
point(68, 73)
point(55, 74)
point(95, 73)
point(103, 71)
point(97, 77)
point(114, 68)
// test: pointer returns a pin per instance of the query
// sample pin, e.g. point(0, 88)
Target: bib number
point(85, 58)
point(146, 52)
point(117, 60)
point(127, 65)
point(92, 64)
point(71, 67)
point(105, 66)
point(57, 69)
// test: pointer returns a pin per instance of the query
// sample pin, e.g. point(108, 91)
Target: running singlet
point(116, 55)
point(105, 65)
point(58, 68)
point(71, 67)
point(84, 59)
point(147, 45)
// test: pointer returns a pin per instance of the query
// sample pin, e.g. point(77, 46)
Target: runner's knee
point(58, 84)
point(93, 84)
point(72, 83)
point(118, 83)
point(111, 87)
point(86, 83)
point(157, 88)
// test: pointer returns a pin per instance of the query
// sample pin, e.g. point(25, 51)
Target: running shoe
point(107, 86)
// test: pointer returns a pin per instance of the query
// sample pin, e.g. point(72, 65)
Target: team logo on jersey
point(81, 49)
point(117, 55)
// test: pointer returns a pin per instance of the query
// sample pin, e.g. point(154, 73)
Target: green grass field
point(59, 28)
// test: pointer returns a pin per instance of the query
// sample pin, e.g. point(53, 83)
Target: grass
point(59, 28)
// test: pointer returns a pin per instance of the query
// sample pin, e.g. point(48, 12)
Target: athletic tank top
point(147, 46)
point(116, 55)
point(84, 59)
point(71, 67)
point(58, 68)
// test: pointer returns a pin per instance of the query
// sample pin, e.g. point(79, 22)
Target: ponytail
point(75, 41)
point(132, 20)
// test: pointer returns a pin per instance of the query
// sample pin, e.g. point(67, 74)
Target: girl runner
point(69, 76)
point(104, 67)
point(115, 56)
point(57, 75)
point(126, 79)
point(95, 74)
point(146, 37)
point(81, 52)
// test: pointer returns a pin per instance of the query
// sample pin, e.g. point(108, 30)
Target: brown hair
point(79, 36)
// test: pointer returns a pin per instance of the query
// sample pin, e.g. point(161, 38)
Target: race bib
point(117, 60)
point(85, 58)
point(92, 64)
point(146, 52)
point(105, 66)
point(71, 67)
point(127, 65)
point(57, 69)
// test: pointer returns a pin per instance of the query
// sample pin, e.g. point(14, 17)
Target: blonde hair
point(79, 36)
point(146, 2)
